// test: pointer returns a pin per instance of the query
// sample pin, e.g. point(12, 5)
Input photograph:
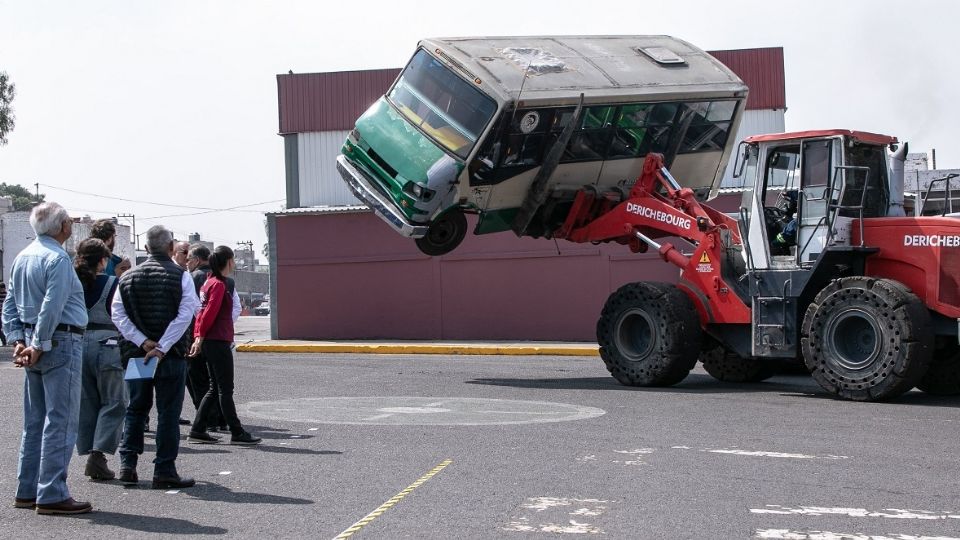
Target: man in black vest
point(156, 303)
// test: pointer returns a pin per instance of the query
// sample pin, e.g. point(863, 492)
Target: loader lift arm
point(658, 207)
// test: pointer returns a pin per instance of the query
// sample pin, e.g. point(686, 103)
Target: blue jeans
point(103, 398)
point(169, 383)
point(51, 411)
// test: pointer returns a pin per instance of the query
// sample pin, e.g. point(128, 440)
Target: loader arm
point(658, 207)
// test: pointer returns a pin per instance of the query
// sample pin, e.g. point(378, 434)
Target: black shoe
point(244, 438)
point(202, 437)
point(68, 506)
point(185, 422)
point(172, 482)
point(128, 477)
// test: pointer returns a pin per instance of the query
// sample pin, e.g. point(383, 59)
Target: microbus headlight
point(420, 192)
point(354, 136)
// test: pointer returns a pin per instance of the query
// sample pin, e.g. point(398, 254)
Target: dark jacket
point(151, 296)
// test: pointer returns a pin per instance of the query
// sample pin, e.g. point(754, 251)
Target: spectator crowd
point(101, 342)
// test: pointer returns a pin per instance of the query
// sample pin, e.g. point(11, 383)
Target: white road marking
point(787, 534)
point(764, 453)
point(575, 508)
point(587, 458)
point(224, 473)
point(681, 447)
point(314, 429)
point(172, 492)
point(637, 452)
point(891, 513)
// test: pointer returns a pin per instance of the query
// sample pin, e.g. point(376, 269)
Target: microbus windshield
point(448, 109)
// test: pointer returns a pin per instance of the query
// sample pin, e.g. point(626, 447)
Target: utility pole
point(133, 220)
point(37, 187)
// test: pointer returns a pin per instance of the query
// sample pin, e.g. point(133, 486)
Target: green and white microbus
point(510, 128)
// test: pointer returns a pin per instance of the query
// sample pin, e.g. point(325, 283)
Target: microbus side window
point(709, 125)
point(642, 128)
point(592, 138)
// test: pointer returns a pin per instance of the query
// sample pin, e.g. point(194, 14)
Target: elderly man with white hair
point(45, 316)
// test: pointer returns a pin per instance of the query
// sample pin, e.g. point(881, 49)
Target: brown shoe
point(24, 503)
point(97, 468)
point(68, 506)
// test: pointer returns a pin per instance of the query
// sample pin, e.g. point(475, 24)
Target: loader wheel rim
point(855, 337)
point(635, 334)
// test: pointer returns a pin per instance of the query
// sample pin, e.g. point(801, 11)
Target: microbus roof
point(559, 68)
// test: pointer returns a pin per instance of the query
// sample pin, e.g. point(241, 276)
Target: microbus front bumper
point(362, 187)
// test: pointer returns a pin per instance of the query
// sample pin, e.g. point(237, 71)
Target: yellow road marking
point(392, 501)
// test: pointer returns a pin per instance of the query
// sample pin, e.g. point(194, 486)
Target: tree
point(23, 198)
point(7, 91)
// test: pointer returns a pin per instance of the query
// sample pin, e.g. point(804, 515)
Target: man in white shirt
point(152, 311)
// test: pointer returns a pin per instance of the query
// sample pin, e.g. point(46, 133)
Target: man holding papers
point(156, 303)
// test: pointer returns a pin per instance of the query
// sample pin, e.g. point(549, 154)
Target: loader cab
point(805, 191)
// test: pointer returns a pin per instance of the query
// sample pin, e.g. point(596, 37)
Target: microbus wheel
point(649, 334)
point(729, 366)
point(866, 339)
point(943, 376)
point(445, 234)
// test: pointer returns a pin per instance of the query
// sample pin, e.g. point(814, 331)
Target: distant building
point(195, 239)
point(17, 234)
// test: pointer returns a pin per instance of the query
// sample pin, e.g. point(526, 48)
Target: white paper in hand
point(138, 369)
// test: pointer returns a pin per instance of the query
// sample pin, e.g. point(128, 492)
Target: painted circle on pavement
point(417, 411)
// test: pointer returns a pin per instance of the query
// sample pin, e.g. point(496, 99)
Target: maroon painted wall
point(349, 276)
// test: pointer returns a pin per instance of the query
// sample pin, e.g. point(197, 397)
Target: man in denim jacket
point(45, 316)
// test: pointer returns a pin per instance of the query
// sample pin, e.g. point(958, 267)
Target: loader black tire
point(943, 376)
point(866, 339)
point(649, 334)
point(729, 366)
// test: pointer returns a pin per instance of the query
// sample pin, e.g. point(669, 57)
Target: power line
point(205, 209)
point(231, 209)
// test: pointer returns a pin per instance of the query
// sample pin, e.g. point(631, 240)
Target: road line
point(764, 453)
point(787, 534)
point(392, 501)
point(891, 513)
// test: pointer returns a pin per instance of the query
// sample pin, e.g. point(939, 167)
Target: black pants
point(167, 382)
point(198, 384)
point(219, 359)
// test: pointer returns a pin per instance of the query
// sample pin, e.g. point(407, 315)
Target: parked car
point(262, 309)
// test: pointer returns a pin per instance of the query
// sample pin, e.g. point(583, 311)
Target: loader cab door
point(769, 203)
point(818, 157)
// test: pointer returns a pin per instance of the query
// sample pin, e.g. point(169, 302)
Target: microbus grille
point(383, 164)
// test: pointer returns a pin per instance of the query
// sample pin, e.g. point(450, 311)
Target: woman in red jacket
point(213, 336)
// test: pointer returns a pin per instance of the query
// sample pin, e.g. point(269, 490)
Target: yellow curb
point(515, 350)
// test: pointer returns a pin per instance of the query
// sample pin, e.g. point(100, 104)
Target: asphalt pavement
point(517, 447)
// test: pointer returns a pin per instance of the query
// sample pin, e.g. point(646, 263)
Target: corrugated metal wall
point(754, 123)
point(762, 70)
point(320, 183)
point(328, 101)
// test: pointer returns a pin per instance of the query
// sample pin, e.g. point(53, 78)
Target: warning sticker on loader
point(705, 266)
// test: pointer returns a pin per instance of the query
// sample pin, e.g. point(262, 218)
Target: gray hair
point(47, 218)
point(158, 240)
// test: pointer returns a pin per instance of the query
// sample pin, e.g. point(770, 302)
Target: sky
point(168, 110)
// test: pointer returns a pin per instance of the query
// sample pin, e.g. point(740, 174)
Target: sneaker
point(96, 467)
point(128, 477)
point(245, 438)
point(68, 506)
point(202, 437)
point(185, 422)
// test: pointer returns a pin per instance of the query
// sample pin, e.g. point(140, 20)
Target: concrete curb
point(394, 348)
